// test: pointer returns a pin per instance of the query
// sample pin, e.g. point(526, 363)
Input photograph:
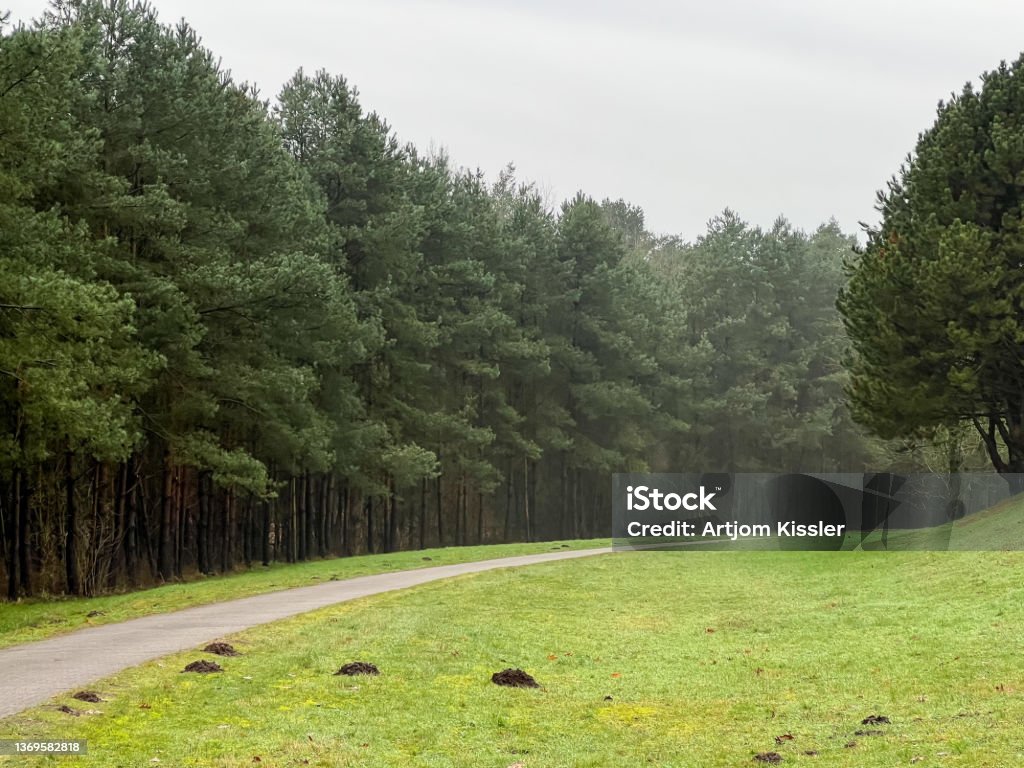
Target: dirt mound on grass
point(91, 696)
point(358, 668)
point(876, 720)
point(772, 758)
point(203, 667)
point(68, 710)
point(222, 649)
point(514, 678)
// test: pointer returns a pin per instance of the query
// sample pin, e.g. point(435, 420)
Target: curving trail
point(33, 673)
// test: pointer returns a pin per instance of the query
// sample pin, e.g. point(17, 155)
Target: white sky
point(795, 107)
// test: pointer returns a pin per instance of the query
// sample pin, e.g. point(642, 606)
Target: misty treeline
point(235, 331)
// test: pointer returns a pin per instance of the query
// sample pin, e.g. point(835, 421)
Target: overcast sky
point(795, 107)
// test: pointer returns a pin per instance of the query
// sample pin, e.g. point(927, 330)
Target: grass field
point(998, 528)
point(29, 620)
point(645, 659)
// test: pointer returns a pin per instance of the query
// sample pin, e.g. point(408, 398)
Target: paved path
point(33, 673)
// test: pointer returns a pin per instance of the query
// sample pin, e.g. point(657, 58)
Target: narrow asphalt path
point(33, 673)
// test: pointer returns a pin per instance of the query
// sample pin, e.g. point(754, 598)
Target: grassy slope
point(707, 657)
point(998, 528)
point(36, 619)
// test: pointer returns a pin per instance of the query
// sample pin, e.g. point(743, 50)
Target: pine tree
point(935, 303)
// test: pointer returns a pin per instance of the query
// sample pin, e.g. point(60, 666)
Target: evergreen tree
point(234, 332)
point(935, 303)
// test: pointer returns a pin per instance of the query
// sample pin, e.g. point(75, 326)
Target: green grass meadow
point(644, 658)
point(37, 619)
point(998, 528)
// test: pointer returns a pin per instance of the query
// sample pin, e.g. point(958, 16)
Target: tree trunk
point(564, 493)
point(309, 518)
point(325, 502)
point(423, 514)
point(120, 494)
point(395, 524)
point(440, 513)
point(226, 560)
point(369, 525)
point(509, 487)
point(458, 514)
point(1014, 480)
point(70, 525)
point(10, 512)
point(464, 505)
point(247, 531)
point(574, 484)
point(293, 522)
point(24, 536)
point(480, 518)
point(165, 568)
point(265, 540)
point(203, 534)
point(301, 520)
point(531, 503)
point(346, 507)
point(526, 498)
point(131, 539)
point(179, 520)
point(147, 526)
